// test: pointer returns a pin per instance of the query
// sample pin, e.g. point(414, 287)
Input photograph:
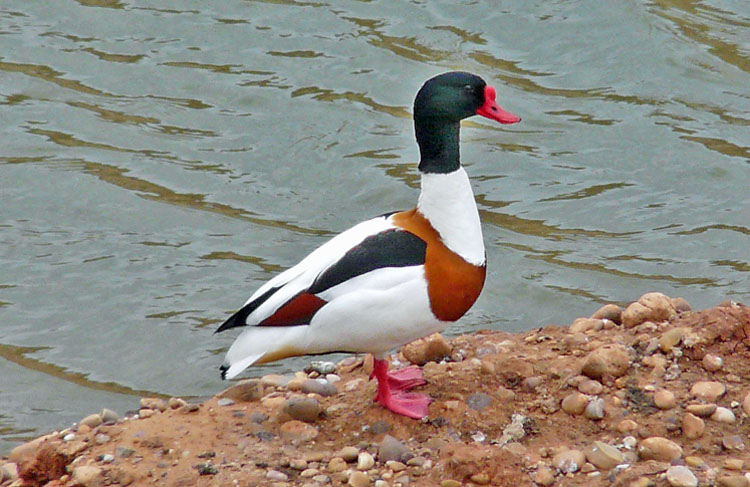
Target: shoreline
point(653, 394)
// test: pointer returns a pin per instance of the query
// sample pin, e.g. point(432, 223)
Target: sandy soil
point(655, 394)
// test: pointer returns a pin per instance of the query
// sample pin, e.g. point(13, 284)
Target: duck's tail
point(262, 344)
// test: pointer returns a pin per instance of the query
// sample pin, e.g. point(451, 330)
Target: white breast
point(447, 201)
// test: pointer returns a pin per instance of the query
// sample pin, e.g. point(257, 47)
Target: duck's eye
point(468, 88)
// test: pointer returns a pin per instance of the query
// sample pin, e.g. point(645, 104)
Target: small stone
point(733, 480)
point(479, 401)
point(733, 442)
point(176, 403)
point(659, 449)
point(664, 399)
point(635, 314)
point(723, 415)
point(746, 404)
point(248, 390)
point(681, 476)
point(365, 461)
point(321, 367)
point(107, 458)
point(734, 464)
point(87, 475)
point(297, 431)
point(224, 401)
point(590, 386)
point(603, 456)
point(109, 416)
point(543, 476)
point(695, 462)
point(582, 325)
point(680, 305)
point(153, 403)
point(569, 461)
point(92, 420)
point(610, 312)
point(432, 348)
point(480, 478)
point(146, 413)
point(124, 452)
point(692, 426)
point(712, 363)
point(450, 483)
point(309, 472)
point(392, 449)
point(626, 425)
point(642, 482)
point(708, 391)
point(359, 479)
point(299, 464)
point(595, 409)
point(101, 439)
point(277, 476)
point(702, 410)
point(303, 408)
point(660, 306)
point(337, 464)
point(608, 360)
point(395, 466)
point(348, 453)
point(275, 380)
point(574, 403)
point(321, 387)
point(671, 338)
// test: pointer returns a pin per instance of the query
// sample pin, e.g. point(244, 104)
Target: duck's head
point(457, 95)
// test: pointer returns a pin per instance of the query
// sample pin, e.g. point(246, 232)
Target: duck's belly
point(374, 320)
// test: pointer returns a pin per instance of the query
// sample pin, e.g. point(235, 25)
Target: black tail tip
point(223, 370)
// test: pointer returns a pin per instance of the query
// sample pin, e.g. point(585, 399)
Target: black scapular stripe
point(240, 317)
point(392, 248)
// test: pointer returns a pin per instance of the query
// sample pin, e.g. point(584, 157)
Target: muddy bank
point(655, 394)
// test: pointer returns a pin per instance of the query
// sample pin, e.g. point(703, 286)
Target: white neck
point(447, 201)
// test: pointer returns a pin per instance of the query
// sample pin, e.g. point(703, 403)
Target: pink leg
point(391, 397)
point(405, 379)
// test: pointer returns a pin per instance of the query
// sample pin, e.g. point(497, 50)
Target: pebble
point(664, 399)
point(395, 466)
point(107, 458)
point(733, 481)
point(432, 348)
point(153, 403)
point(610, 312)
point(224, 401)
point(723, 415)
point(671, 338)
point(176, 403)
point(86, 475)
point(681, 476)
point(480, 478)
point(365, 461)
point(146, 413)
point(626, 425)
point(607, 360)
point(746, 404)
point(574, 403)
point(569, 461)
point(734, 464)
point(702, 410)
point(321, 387)
point(595, 409)
point(303, 408)
point(101, 439)
point(692, 426)
point(297, 431)
point(8, 472)
point(450, 483)
point(590, 386)
point(275, 380)
point(392, 449)
point(358, 479)
point(92, 420)
point(479, 401)
point(659, 449)
point(582, 325)
point(733, 442)
point(321, 367)
point(109, 416)
point(277, 476)
point(695, 462)
point(708, 391)
point(348, 453)
point(603, 456)
point(635, 314)
point(660, 306)
point(712, 363)
point(543, 476)
point(337, 464)
point(309, 472)
point(247, 390)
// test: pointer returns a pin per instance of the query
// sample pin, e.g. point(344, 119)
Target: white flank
point(302, 275)
point(447, 201)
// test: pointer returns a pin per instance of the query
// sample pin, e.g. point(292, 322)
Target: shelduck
point(389, 280)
